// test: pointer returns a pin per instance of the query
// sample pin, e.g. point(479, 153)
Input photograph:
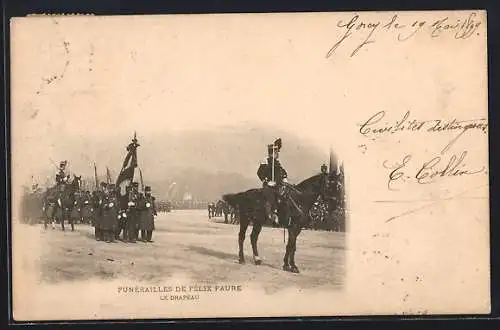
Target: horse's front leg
point(241, 240)
point(63, 217)
point(293, 247)
point(254, 236)
point(53, 217)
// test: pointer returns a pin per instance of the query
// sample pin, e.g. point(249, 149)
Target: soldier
point(226, 210)
point(86, 207)
point(325, 182)
point(109, 215)
point(147, 207)
point(94, 201)
point(122, 213)
point(132, 213)
point(272, 175)
point(99, 211)
point(324, 169)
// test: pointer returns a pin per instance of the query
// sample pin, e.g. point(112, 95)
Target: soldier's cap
point(278, 144)
point(147, 189)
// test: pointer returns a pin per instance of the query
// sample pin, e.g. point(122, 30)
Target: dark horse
point(293, 211)
point(62, 199)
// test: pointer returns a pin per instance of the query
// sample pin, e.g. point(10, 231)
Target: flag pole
point(272, 168)
point(96, 177)
point(142, 182)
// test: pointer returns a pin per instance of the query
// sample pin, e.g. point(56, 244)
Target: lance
point(96, 178)
point(272, 168)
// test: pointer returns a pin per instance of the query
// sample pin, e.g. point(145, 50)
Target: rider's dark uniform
point(270, 187)
point(61, 177)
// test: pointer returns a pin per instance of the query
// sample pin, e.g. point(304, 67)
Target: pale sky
point(172, 74)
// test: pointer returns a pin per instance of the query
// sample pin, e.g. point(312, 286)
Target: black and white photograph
point(249, 165)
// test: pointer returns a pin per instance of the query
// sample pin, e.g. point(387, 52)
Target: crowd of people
point(127, 218)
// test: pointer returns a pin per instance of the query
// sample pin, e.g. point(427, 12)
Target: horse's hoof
point(294, 269)
point(286, 268)
point(257, 260)
point(242, 261)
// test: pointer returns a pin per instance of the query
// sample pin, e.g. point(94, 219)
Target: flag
point(129, 164)
point(96, 178)
point(108, 176)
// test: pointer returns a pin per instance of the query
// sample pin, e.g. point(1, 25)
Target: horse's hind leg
point(72, 222)
point(294, 233)
point(254, 236)
point(241, 239)
point(63, 217)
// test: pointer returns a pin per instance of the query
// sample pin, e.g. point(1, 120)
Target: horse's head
point(312, 185)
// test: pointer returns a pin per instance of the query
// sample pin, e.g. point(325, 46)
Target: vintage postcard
point(249, 165)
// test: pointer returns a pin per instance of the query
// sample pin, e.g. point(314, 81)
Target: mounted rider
point(273, 175)
point(61, 177)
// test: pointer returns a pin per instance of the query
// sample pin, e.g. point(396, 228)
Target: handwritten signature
point(431, 170)
point(462, 28)
point(375, 127)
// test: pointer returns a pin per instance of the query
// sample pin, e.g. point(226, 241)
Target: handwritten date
point(462, 28)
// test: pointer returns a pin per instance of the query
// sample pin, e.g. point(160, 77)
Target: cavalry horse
point(61, 199)
point(293, 211)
